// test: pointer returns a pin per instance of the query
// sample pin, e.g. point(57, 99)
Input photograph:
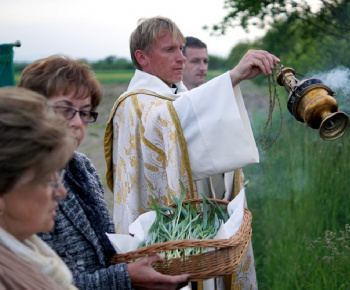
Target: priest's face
point(165, 59)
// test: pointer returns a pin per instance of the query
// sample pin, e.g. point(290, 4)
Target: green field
point(124, 76)
point(106, 76)
point(114, 77)
point(119, 76)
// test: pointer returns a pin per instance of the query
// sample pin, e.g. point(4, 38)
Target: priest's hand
point(252, 64)
point(143, 276)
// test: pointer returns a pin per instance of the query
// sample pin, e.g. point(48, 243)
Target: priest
point(160, 136)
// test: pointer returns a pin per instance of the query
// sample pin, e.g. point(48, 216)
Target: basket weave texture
point(223, 258)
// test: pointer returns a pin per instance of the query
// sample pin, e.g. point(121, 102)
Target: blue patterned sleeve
point(113, 277)
point(73, 237)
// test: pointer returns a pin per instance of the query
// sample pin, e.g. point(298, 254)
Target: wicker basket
point(225, 258)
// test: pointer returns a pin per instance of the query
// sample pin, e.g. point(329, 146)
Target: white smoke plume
point(338, 80)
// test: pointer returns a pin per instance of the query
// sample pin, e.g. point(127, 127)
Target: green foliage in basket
point(183, 221)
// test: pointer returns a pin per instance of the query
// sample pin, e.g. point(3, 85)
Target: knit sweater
point(78, 236)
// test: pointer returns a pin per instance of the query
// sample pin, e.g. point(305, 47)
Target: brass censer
point(312, 102)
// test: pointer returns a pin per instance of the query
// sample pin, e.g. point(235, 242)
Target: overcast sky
point(95, 29)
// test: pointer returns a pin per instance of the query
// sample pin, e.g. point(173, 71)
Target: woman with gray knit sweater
point(83, 218)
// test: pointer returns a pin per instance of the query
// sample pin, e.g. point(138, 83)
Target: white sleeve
point(216, 127)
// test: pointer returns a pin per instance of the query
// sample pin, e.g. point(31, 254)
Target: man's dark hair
point(194, 43)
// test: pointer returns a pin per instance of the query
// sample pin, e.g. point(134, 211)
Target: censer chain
point(266, 132)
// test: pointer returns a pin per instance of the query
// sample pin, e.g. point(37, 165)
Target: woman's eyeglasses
point(69, 113)
point(59, 181)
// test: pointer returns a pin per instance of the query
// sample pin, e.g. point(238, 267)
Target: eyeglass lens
point(56, 183)
point(69, 113)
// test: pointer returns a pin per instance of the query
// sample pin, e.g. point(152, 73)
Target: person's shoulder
point(81, 161)
point(15, 273)
point(80, 156)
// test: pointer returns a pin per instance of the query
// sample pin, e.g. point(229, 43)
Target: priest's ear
point(142, 58)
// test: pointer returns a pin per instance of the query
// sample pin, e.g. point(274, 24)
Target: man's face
point(196, 67)
point(165, 60)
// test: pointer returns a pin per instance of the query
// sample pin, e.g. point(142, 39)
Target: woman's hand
point(143, 276)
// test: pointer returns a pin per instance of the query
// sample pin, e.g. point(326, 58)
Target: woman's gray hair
point(148, 31)
point(32, 138)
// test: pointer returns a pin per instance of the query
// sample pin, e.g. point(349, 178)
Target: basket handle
point(197, 200)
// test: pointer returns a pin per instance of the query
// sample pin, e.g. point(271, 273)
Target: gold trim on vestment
point(236, 183)
point(182, 143)
point(108, 137)
point(144, 139)
point(108, 146)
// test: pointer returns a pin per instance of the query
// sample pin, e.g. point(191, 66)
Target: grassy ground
point(299, 197)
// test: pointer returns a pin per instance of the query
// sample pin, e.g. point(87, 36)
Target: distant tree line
point(109, 63)
point(112, 62)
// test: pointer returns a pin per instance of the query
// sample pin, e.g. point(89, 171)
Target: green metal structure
point(7, 68)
